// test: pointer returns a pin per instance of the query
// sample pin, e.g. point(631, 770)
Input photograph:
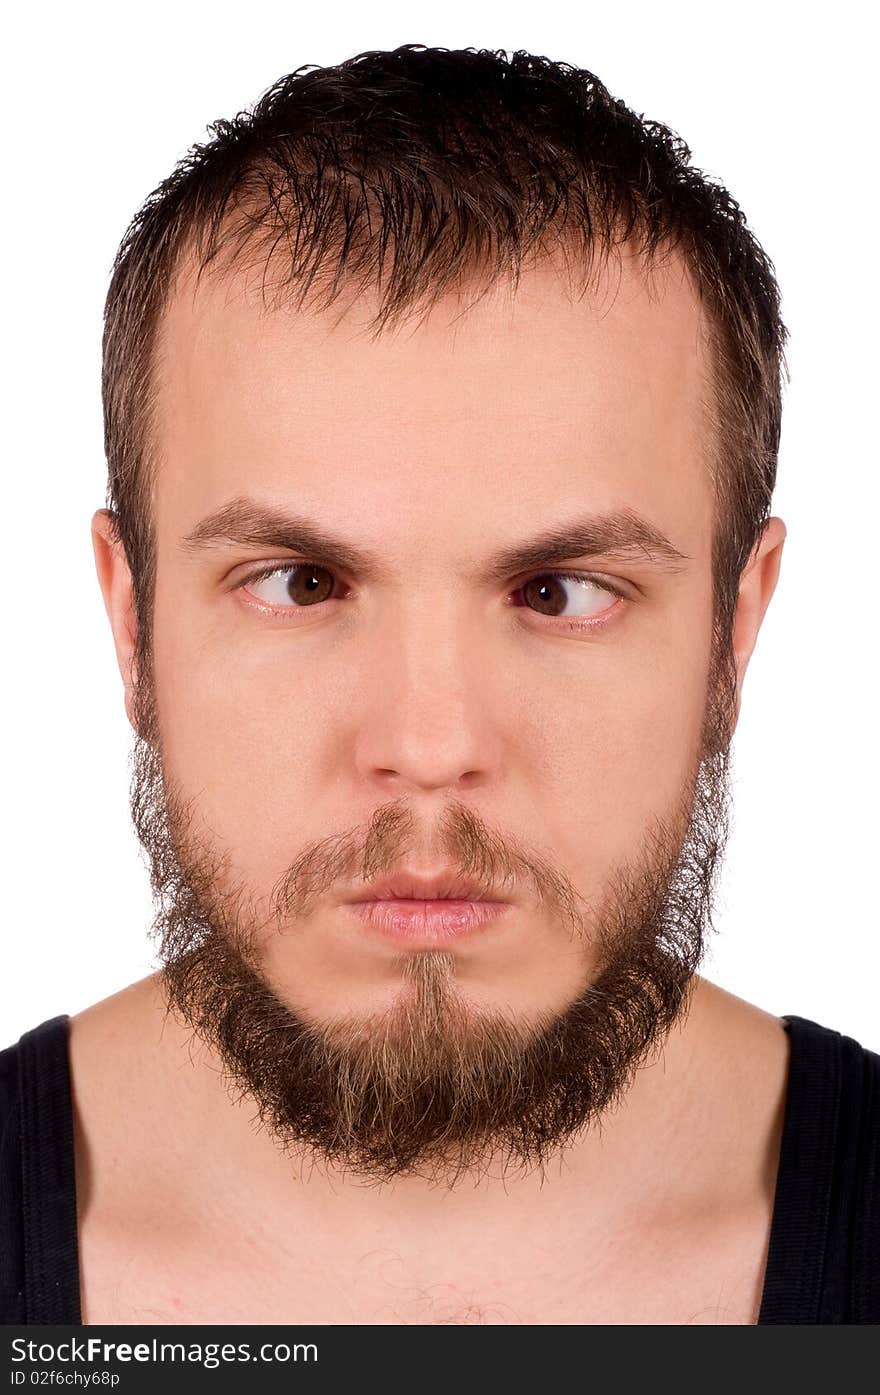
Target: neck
point(201, 1141)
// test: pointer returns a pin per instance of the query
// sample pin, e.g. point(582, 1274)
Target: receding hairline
point(654, 274)
point(243, 264)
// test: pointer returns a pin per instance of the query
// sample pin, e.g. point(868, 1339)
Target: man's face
point(427, 706)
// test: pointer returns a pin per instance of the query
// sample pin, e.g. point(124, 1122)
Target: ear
point(117, 589)
point(757, 584)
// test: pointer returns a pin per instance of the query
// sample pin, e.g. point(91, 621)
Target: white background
point(775, 101)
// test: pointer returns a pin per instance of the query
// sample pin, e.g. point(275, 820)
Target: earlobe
point(114, 578)
point(757, 584)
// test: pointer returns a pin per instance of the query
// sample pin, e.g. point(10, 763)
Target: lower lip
point(431, 922)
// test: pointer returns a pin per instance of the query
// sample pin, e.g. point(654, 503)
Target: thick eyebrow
point(245, 523)
point(622, 534)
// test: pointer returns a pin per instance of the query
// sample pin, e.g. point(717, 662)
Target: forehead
point(531, 397)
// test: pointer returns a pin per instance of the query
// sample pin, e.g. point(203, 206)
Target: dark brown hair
point(453, 164)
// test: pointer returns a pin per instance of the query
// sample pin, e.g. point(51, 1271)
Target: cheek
point(619, 760)
point(246, 736)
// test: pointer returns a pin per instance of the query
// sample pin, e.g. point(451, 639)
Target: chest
point(709, 1274)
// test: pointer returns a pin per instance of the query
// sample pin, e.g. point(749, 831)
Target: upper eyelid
point(569, 573)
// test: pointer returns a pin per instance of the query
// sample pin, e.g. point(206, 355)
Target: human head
point(588, 765)
point(455, 165)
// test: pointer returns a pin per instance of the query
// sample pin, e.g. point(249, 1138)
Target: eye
point(295, 586)
point(573, 596)
point(570, 595)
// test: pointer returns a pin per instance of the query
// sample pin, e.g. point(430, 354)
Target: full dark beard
point(434, 1087)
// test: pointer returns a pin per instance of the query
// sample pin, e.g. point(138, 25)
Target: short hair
point(455, 163)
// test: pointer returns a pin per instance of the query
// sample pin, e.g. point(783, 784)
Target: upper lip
point(405, 886)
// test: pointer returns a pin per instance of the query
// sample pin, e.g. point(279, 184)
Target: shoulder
point(21, 1067)
point(830, 1067)
point(9, 1058)
point(834, 1106)
point(827, 1234)
point(33, 1065)
point(11, 1237)
point(9, 1087)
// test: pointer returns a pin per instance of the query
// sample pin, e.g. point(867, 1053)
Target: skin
point(433, 449)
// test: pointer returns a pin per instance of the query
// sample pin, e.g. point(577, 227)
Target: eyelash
point(584, 623)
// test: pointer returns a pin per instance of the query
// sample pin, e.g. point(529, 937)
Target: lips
point(422, 923)
point(418, 910)
point(406, 886)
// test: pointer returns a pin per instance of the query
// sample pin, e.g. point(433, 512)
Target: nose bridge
point(427, 718)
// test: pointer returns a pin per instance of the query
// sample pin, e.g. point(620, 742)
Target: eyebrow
point(621, 533)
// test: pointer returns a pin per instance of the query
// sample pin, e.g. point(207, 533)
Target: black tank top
point(823, 1263)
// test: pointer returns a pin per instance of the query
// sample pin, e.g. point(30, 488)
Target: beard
point(435, 1086)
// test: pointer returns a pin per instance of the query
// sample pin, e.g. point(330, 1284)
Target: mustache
point(462, 839)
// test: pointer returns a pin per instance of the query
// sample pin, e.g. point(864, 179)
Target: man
point(442, 409)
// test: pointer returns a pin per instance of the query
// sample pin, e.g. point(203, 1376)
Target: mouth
point(419, 909)
point(414, 886)
point(428, 921)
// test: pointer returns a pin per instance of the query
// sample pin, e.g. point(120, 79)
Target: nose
point(426, 720)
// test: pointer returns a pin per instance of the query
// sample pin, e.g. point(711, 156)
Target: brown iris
point(547, 593)
point(307, 584)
